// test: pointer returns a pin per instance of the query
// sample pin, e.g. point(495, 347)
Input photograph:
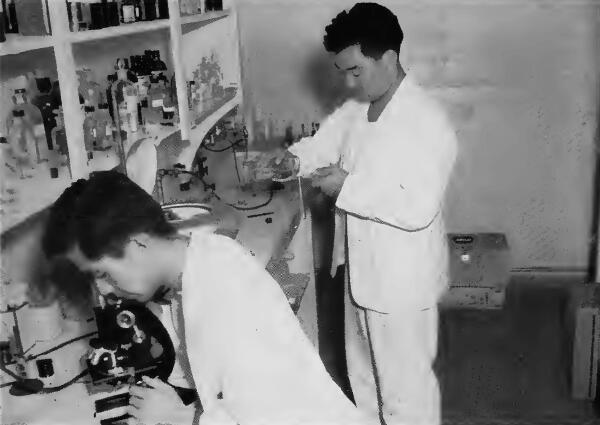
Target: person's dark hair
point(100, 214)
point(372, 26)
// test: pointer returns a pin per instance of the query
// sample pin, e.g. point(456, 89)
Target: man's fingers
point(321, 172)
point(133, 412)
point(135, 403)
point(139, 392)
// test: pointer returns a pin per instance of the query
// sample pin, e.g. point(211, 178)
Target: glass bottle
point(131, 103)
point(150, 9)
point(11, 12)
point(98, 14)
point(103, 127)
point(163, 9)
point(112, 13)
point(82, 25)
point(127, 11)
point(59, 140)
point(140, 14)
point(74, 19)
point(87, 13)
point(89, 131)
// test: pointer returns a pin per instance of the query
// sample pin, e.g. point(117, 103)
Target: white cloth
point(243, 340)
point(389, 358)
point(399, 167)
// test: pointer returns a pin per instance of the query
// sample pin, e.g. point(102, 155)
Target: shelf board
point(16, 44)
point(119, 31)
point(205, 18)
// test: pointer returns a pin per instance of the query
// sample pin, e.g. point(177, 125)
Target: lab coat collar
point(402, 93)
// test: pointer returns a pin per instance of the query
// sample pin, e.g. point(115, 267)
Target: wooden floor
point(494, 367)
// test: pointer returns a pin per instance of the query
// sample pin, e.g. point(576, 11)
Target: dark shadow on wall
point(323, 81)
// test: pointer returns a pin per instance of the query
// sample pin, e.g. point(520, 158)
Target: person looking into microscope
point(386, 156)
point(250, 361)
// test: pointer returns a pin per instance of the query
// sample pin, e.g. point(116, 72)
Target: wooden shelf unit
point(62, 40)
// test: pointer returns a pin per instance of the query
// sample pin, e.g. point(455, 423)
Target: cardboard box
point(479, 270)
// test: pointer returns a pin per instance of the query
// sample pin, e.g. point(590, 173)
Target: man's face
point(135, 275)
point(367, 78)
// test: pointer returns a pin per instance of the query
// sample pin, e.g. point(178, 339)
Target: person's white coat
point(250, 361)
point(399, 167)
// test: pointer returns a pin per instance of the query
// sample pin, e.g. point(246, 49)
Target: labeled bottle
point(143, 84)
point(127, 11)
point(59, 139)
point(314, 130)
point(89, 131)
point(131, 103)
point(104, 134)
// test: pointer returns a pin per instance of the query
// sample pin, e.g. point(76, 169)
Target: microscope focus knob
point(126, 319)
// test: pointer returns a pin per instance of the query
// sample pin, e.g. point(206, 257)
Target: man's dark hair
point(100, 214)
point(372, 26)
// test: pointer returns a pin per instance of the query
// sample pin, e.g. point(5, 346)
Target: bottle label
point(128, 13)
point(94, 132)
point(108, 132)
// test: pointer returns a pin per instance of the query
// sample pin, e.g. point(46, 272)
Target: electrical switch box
point(479, 270)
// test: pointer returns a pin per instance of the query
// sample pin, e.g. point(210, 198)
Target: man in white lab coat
point(249, 359)
point(387, 157)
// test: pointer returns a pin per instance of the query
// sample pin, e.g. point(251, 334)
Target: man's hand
point(159, 404)
point(330, 180)
point(285, 165)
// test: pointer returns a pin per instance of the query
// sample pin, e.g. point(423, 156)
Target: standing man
point(387, 157)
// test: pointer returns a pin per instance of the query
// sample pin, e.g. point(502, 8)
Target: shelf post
point(180, 81)
point(69, 89)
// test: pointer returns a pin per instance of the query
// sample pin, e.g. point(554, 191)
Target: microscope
point(132, 342)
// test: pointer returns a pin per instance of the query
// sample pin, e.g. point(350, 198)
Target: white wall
point(519, 79)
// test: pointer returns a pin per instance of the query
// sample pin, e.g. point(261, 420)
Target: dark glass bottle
point(150, 9)
point(163, 9)
point(11, 13)
point(98, 11)
point(112, 13)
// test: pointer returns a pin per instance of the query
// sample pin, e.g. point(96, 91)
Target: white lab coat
point(243, 340)
point(398, 170)
point(390, 209)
